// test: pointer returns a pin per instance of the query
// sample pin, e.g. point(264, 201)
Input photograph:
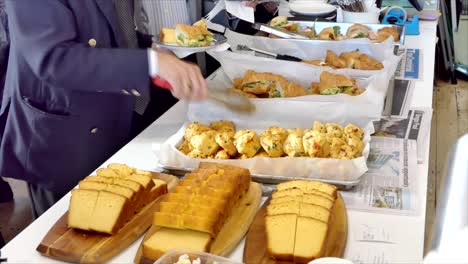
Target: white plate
point(312, 8)
point(218, 39)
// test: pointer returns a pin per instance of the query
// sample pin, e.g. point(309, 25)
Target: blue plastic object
point(398, 16)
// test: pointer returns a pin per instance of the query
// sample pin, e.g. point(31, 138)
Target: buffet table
point(404, 241)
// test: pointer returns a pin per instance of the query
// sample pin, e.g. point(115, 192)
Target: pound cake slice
point(292, 207)
point(281, 235)
point(81, 209)
point(166, 239)
point(309, 240)
point(108, 213)
point(308, 186)
point(124, 191)
point(318, 200)
point(314, 211)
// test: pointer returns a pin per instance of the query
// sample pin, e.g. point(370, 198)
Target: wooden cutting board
point(78, 246)
point(233, 230)
point(255, 250)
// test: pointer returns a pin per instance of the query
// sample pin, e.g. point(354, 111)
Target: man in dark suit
point(6, 194)
point(76, 78)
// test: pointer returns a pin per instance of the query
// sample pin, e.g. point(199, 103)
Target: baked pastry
point(334, 61)
point(223, 126)
point(205, 143)
point(293, 145)
point(195, 129)
point(357, 31)
point(386, 32)
point(330, 33)
point(226, 141)
point(316, 144)
point(247, 142)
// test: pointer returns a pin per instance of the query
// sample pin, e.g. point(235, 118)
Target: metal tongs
point(232, 101)
point(283, 33)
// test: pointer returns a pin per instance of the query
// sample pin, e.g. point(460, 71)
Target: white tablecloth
point(407, 232)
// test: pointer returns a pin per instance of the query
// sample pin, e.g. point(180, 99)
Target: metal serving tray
point(265, 179)
point(344, 27)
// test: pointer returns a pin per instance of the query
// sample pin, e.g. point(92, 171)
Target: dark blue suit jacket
point(63, 109)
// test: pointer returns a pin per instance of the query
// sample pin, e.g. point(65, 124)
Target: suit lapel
point(107, 8)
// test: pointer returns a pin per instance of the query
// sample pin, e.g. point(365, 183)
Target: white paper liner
point(303, 167)
point(376, 84)
point(311, 49)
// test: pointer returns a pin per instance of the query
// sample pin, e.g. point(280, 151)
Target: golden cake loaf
point(192, 216)
point(106, 202)
point(297, 220)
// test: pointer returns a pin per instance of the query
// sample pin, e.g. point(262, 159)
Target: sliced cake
point(166, 239)
point(281, 235)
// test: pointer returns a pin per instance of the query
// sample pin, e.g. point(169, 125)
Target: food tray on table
point(263, 178)
point(270, 170)
point(344, 27)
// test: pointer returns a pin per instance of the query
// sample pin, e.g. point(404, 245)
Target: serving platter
point(232, 231)
point(255, 249)
point(67, 244)
point(319, 26)
point(266, 179)
point(218, 40)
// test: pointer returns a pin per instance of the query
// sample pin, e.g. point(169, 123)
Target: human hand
point(185, 78)
point(251, 3)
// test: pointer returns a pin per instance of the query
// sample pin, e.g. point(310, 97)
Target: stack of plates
point(312, 9)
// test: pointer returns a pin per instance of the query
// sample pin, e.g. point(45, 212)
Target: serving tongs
point(283, 33)
point(232, 101)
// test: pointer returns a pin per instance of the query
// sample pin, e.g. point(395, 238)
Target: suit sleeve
point(45, 32)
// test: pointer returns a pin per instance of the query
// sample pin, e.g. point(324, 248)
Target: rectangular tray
point(267, 179)
point(344, 27)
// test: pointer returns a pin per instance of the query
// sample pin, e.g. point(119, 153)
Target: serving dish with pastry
point(269, 85)
point(340, 31)
point(302, 221)
point(210, 211)
point(220, 140)
point(189, 36)
point(326, 151)
point(107, 213)
point(348, 60)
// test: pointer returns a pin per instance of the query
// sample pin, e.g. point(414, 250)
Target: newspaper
point(399, 96)
point(416, 126)
point(389, 186)
point(411, 65)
